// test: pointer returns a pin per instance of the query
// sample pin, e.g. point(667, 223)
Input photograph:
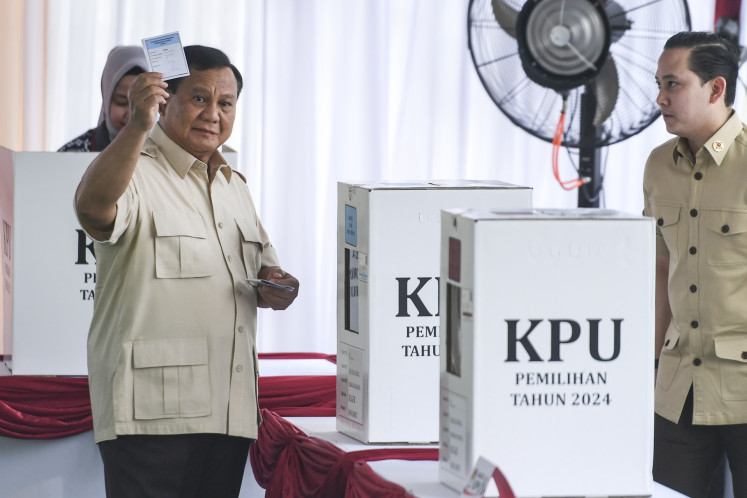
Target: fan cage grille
point(537, 109)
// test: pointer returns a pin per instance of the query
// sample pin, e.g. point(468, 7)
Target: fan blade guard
point(562, 43)
point(520, 51)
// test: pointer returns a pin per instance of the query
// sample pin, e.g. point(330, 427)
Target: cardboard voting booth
point(547, 350)
point(49, 270)
point(388, 307)
point(48, 263)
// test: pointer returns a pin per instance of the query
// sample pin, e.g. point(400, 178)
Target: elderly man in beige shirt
point(172, 356)
point(695, 186)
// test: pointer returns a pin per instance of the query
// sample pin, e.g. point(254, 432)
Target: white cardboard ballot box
point(547, 350)
point(48, 264)
point(388, 307)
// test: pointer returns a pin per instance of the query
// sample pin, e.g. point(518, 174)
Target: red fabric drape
point(298, 356)
point(504, 488)
point(298, 395)
point(363, 482)
point(338, 476)
point(44, 407)
point(52, 407)
point(287, 462)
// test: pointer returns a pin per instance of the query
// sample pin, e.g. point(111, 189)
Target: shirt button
point(229, 258)
point(694, 324)
point(666, 343)
point(220, 224)
point(698, 175)
point(238, 292)
point(744, 355)
point(693, 213)
point(660, 222)
point(239, 368)
point(697, 362)
point(693, 250)
point(725, 229)
point(241, 329)
point(693, 288)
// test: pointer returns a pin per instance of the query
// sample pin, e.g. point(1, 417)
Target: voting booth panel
point(49, 270)
point(547, 350)
point(388, 302)
point(48, 263)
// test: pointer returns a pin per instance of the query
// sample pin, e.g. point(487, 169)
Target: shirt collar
point(179, 159)
point(718, 145)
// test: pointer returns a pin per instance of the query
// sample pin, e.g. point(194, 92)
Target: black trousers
point(174, 466)
point(686, 455)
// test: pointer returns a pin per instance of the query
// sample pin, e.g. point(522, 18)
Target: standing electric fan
point(577, 73)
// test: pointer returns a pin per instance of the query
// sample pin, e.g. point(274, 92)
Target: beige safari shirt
point(171, 348)
point(700, 204)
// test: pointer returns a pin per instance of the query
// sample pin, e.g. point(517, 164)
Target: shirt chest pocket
point(733, 371)
point(667, 220)
point(181, 245)
point(727, 238)
point(251, 246)
point(171, 378)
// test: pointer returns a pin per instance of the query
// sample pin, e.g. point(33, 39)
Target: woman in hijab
point(123, 64)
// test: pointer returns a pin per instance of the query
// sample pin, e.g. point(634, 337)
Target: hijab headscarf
point(120, 61)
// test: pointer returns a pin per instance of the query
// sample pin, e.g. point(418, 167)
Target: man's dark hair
point(201, 58)
point(711, 55)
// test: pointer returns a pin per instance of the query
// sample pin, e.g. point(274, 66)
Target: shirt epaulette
point(240, 175)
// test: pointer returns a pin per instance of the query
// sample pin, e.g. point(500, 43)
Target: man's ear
point(718, 89)
point(162, 108)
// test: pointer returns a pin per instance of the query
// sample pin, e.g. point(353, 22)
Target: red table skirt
point(52, 407)
point(287, 462)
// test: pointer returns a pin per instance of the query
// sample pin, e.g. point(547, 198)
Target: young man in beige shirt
point(695, 186)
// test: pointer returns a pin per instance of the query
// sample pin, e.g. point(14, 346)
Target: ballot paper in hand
point(166, 56)
point(262, 281)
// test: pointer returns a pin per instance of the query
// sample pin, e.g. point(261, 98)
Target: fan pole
point(589, 154)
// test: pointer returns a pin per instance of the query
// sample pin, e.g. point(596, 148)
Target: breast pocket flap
point(249, 231)
point(176, 223)
point(665, 215)
point(671, 338)
point(149, 353)
point(727, 223)
point(732, 347)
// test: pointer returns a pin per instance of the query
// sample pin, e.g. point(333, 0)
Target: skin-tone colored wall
point(11, 83)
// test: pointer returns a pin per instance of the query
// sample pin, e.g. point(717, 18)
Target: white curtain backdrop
point(335, 90)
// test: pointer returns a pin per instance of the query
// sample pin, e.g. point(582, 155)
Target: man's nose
point(660, 98)
point(210, 112)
